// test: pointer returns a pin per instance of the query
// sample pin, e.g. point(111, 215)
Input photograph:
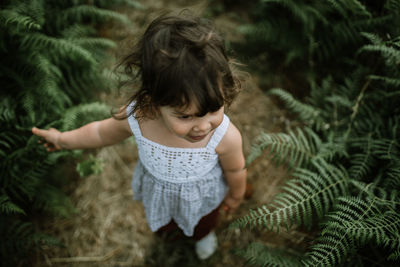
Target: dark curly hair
point(179, 60)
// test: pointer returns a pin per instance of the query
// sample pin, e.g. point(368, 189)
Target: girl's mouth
point(198, 137)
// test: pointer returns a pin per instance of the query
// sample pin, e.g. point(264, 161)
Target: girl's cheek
point(180, 129)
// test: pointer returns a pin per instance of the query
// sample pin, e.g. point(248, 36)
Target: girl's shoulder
point(231, 141)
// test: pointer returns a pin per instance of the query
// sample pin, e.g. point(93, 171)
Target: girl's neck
point(155, 130)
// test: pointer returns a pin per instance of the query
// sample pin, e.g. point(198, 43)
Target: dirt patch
point(109, 228)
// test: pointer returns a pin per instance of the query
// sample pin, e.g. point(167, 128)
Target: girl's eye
point(184, 117)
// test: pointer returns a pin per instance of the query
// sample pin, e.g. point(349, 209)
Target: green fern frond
point(79, 115)
point(78, 13)
point(40, 42)
point(10, 17)
point(391, 55)
point(53, 201)
point(393, 5)
point(390, 81)
point(28, 101)
point(306, 113)
point(94, 42)
point(333, 147)
point(373, 38)
point(393, 175)
point(388, 149)
point(345, 8)
point(357, 8)
point(329, 250)
point(302, 12)
point(361, 163)
point(306, 193)
point(353, 222)
point(294, 148)
point(260, 255)
point(334, 244)
point(395, 256)
point(8, 207)
point(77, 31)
point(7, 111)
point(128, 3)
point(393, 244)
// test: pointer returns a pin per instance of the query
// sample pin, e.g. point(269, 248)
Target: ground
point(109, 228)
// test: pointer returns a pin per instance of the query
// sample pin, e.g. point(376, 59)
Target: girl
point(190, 154)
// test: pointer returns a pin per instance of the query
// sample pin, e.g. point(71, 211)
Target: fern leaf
point(8, 207)
point(358, 8)
point(391, 55)
point(307, 192)
point(393, 175)
point(353, 222)
point(393, 5)
point(20, 21)
point(394, 245)
point(387, 149)
point(90, 42)
point(261, 255)
point(329, 250)
point(77, 13)
point(361, 163)
point(373, 38)
point(78, 31)
point(39, 42)
point(79, 115)
point(292, 148)
point(395, 82)
point(307, 113)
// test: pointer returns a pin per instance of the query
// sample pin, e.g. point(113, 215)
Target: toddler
point(191, 161)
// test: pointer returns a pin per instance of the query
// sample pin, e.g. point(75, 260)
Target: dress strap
point(219, 133)
point(133, 123)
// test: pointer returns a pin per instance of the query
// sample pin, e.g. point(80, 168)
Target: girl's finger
point(36, 131)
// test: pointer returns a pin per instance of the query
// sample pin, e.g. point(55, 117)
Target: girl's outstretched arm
point(93, 135)
point(232, 161)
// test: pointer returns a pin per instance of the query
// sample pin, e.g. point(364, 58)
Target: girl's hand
point(231, 203)
point(50, 138)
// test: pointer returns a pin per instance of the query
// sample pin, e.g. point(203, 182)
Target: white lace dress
point(183, 184)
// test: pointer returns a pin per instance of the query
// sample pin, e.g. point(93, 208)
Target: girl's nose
point(202, 125)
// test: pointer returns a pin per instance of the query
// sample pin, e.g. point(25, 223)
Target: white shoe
point(206, 246)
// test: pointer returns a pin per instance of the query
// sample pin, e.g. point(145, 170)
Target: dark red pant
point(205, 226)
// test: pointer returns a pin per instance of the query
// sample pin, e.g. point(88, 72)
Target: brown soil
point(109, 228)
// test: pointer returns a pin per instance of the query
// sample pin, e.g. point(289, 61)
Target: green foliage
point(345, 157)
point(306, 37)
point(90, 166)
point(258, 254)
point(52, 64)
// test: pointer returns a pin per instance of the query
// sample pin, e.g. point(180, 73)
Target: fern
point(77, 13)
point(41, 41)
point(348, 177)
point(306, 113)
point(292, 148)
point(47, 67)
point(308, 192)
point(258, 254)
point(10, 17)
point(353, 223)
point(77, 116)
point(8, 207)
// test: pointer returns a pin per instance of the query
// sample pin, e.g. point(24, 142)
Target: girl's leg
point(205, 226)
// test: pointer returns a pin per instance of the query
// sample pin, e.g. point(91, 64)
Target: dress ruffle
point(185, 203)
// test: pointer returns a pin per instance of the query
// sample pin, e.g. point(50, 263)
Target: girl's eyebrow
point(176, 112)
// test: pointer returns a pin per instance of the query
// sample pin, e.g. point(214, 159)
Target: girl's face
point(185, 124)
